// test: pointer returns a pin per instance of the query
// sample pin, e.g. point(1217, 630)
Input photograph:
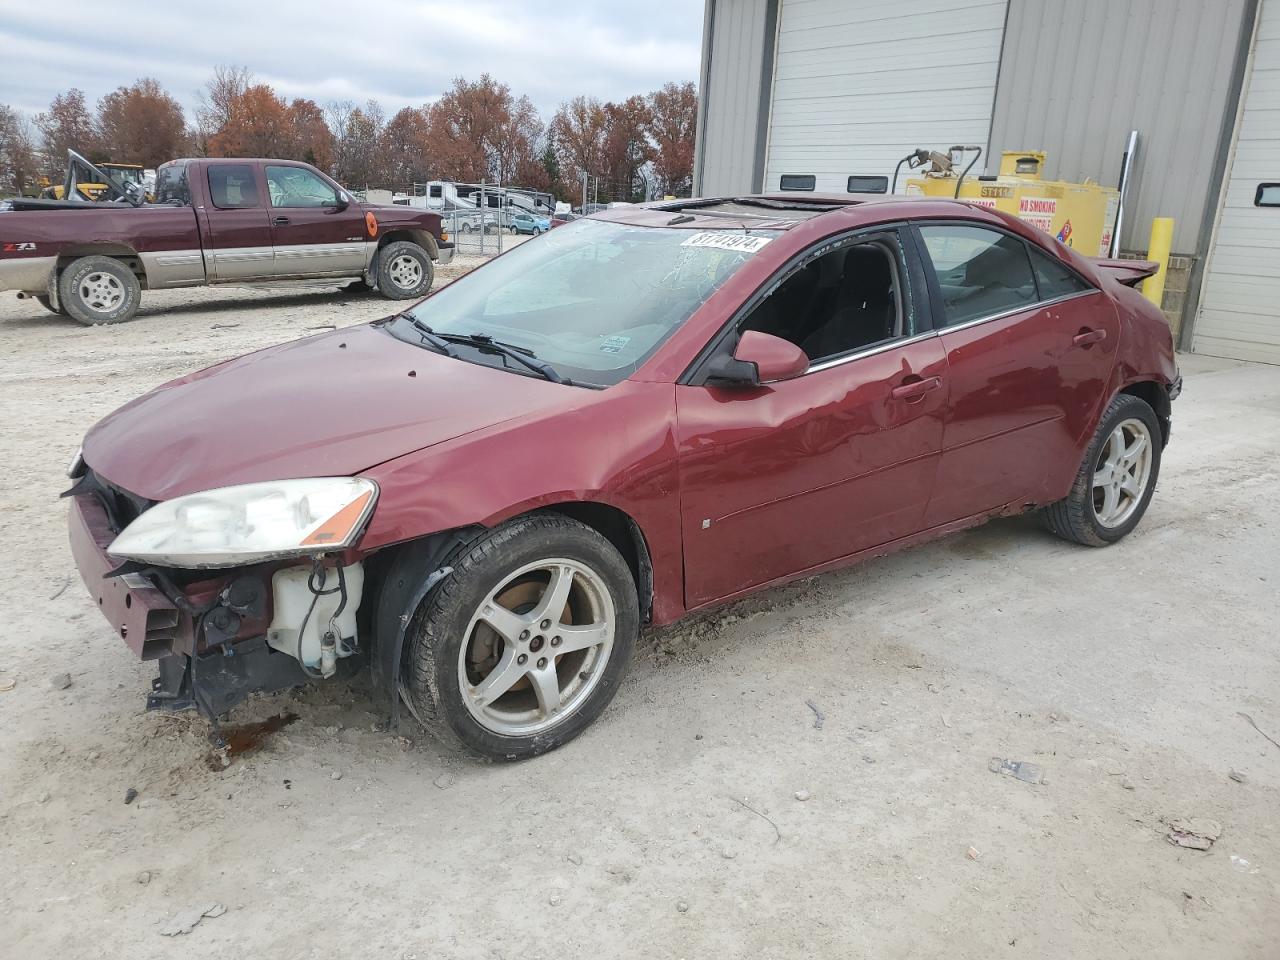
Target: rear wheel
point(404, 271)
point(1116, 480)
point(523, 645)
point(99, 290)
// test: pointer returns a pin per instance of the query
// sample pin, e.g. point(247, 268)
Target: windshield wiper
point(428, 335)
point(522, 355)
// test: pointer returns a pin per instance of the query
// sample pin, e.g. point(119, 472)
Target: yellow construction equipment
point(124, 172)
point(1081, 215)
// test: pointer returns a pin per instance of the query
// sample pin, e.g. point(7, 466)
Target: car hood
point(331, 405)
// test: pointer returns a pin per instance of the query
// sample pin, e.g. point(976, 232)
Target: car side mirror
point(760, 358)
point(341, 202)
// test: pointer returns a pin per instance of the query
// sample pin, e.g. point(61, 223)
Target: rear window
point(172, 185)
point(1053, 279)
point(232, 186)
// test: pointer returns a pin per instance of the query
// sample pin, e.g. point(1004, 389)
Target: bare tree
point(67, 125)
point(227, 85)
point(17, 153)
point(357, 134)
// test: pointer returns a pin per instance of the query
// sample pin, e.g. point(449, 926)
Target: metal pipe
point(1126, 168)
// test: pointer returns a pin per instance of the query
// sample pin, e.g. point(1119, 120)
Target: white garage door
point(860, 83)
point(1240, 303)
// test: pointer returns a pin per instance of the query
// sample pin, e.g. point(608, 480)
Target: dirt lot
point(676, 826)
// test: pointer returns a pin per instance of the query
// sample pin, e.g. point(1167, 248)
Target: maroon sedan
point(642, 414)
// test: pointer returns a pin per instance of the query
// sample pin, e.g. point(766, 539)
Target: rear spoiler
point(1129, 272)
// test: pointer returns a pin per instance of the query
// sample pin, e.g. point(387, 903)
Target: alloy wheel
point(1122, 473)
point(536, 647)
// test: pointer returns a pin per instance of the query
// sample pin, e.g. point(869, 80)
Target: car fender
point(495, 474)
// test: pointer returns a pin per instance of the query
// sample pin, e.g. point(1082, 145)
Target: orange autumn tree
point(256, 125)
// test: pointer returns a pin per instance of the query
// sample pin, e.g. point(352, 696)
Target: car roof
point(784, 211)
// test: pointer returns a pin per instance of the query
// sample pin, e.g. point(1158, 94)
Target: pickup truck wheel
point(404, 271)
point(99, 290)
point(524, 643)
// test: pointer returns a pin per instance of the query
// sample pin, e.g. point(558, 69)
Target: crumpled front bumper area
point(155, 628)
point(148, 622)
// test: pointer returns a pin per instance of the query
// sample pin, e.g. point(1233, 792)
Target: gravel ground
point(804, 774)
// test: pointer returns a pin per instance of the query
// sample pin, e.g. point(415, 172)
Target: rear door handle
point(281, 221)
point(1086, 337)
point(916, 389)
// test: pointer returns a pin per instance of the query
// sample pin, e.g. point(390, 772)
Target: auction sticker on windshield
point(726, 241)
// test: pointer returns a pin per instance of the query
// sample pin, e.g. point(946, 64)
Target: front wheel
point(523, 645)
point(1116, 480)
point(404, 271)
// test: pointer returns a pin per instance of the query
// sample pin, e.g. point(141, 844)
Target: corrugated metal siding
point(860, 83)
point(1076, 77)
point(731, 101)
point(1240, 305)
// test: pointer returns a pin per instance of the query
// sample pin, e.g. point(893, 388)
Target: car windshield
point(592, 299)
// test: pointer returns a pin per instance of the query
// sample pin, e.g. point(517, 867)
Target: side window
point(797, 181)
point(299, 187)
point(845, 300)
point(868, 185)
point(1053, 279)
point(232, 186)
point(980, 272)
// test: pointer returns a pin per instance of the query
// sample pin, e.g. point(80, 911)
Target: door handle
point(915, 390)
point(1087, 337)
point(280, 221)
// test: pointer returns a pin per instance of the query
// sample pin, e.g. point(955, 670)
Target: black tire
point(397, 279)
point(436, 634)
point(1075, 517)
point(47, 303)
point(99, 290)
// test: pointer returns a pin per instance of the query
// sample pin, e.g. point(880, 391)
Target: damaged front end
point(234, 591)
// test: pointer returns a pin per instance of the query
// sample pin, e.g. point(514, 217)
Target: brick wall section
point(1175, 285)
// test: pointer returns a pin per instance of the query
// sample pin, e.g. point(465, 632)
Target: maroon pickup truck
point(214, 221)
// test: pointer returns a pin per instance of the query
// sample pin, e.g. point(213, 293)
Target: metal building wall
point(1076, 77)
point(737, 59)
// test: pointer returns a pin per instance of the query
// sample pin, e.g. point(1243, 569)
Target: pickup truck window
point(298, 187)
point(172, 186)
point(232, 186)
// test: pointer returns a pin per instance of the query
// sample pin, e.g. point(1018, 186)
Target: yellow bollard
point(1158, 250)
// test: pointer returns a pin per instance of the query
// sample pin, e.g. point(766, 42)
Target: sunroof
point(761, 208)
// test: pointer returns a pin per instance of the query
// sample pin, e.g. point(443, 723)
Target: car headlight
point(232, 526)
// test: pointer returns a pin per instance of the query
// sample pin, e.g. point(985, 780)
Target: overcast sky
point(399, 52)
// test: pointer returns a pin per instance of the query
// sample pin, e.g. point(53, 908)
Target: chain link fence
point(477, 233)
